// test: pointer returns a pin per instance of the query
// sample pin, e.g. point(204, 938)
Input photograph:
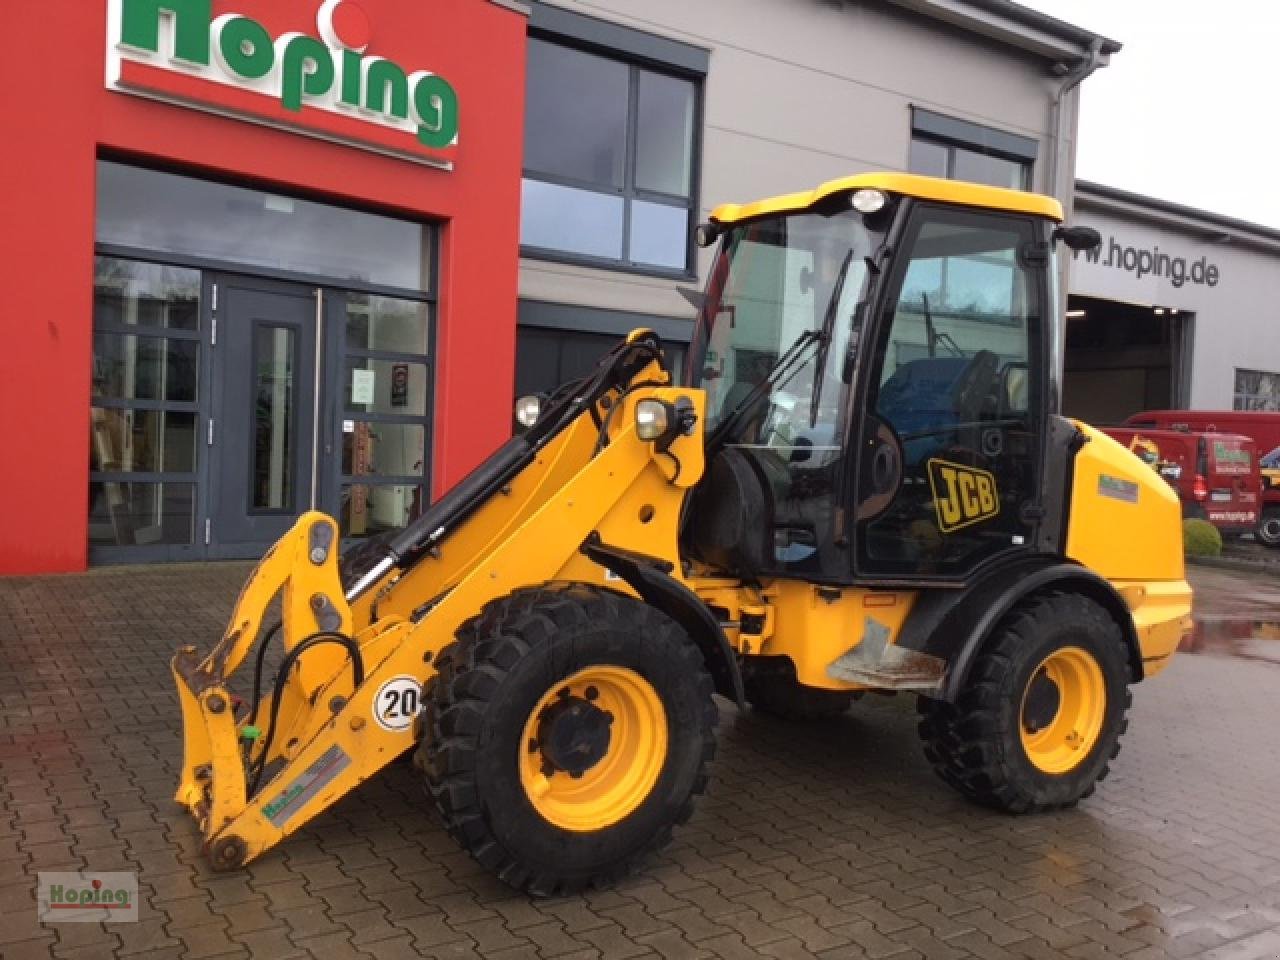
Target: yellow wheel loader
point(864, 485)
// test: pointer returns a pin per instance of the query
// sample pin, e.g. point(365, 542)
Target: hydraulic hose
point(258, 662)
point(290, 658)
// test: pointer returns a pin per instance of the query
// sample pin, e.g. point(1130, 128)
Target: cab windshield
point(783, 289)
point(774, 350)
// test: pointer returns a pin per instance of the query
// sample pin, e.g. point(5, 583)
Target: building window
point(144, 420)
point(610, 146)
point(1257, 390)
point(161, 212)
point(559, 342)
point(943, 146)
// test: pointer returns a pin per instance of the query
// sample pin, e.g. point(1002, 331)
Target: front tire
point(1043, 711)
point(566, 732)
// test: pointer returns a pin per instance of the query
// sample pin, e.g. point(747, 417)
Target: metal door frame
point(332, 410)
point(883, 299)
point(222, 380)
point(329, 481)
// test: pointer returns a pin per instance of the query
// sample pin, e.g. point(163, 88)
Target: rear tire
point(1041, 716)
point(1268, 532)
point(566, 732)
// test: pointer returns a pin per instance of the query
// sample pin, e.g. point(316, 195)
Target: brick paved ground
point(833, 842)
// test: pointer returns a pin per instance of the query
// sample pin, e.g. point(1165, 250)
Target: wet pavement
point(1237, 614)
point(1248, 549)
point(832, 841)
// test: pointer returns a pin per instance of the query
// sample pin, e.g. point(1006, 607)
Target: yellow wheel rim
point(593, 748)
point(1062, 710)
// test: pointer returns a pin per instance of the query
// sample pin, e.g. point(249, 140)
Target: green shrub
point(1200, 538)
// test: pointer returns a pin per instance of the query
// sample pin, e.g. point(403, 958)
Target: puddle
point(1246, 639)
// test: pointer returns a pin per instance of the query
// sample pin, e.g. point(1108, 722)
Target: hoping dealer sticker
point(397, 703)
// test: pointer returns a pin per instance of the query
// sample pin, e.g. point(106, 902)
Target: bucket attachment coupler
point(223, 757)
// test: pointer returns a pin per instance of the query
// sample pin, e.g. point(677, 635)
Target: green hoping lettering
point(140, 26)
point(306, 68)
point(246, 47)
point(437, 108)
point(382, 78)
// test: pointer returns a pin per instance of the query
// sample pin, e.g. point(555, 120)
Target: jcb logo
point(961, 495)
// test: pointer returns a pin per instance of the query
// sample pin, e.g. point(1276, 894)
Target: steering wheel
point(880, 469)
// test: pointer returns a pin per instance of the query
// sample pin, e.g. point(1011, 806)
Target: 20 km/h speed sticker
point(397, 703)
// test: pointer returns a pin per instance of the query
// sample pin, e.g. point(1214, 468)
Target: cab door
point(949, 457)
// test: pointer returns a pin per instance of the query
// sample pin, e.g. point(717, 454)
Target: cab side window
point(954, 397)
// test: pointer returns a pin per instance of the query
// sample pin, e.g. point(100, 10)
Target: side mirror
point(1078, 239)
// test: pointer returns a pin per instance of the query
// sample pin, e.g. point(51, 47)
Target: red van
point(1215, 474)
point(1263, 426)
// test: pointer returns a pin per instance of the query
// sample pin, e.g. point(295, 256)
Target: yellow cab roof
point(907, 184)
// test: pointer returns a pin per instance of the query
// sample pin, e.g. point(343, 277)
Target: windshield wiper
point(772, 378)
point(828, 322)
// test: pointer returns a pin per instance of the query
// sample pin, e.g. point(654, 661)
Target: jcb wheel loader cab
point(888, 473)
point(866, 487)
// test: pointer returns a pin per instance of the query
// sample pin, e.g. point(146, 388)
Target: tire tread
point(470, 671)
point(963, 740)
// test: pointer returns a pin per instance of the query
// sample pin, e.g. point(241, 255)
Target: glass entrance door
point(376, 434)
point(262, 433)
point(255, 355)
point(225, 405)
point(349, 436)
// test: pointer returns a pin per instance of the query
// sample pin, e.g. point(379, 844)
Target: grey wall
point(1237, 320)
point(802, 91)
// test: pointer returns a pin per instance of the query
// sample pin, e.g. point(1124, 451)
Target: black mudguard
point(650, 578)
point(953, 625)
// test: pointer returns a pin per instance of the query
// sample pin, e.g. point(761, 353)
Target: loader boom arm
point(330, 731)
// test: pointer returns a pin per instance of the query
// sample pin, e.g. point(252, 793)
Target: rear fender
point(955, 625)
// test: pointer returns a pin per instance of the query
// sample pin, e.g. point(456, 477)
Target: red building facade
point(258, 256)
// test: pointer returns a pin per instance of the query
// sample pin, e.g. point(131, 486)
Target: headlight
point(527, 410)
point(653, 419)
